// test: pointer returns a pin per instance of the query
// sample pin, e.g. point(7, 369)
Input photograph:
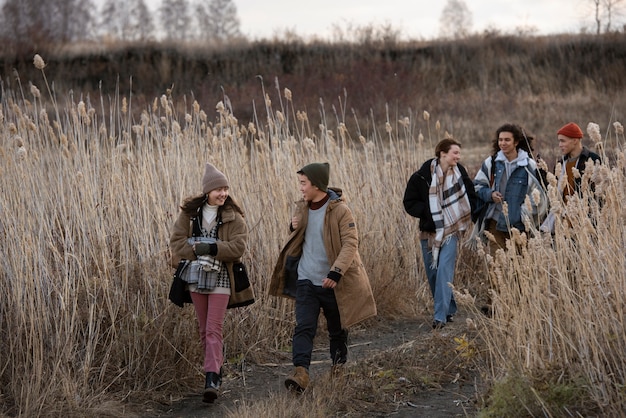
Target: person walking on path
point(321, 268)
point(441, 194)
point(574, 157)
point(207, 242)
point(508, 176)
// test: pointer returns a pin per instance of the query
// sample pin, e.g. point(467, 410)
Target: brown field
point(91, 180)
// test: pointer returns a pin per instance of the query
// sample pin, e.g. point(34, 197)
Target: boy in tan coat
point(321, 267)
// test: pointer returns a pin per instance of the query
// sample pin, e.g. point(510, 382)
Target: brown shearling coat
point(353, 291)
point(232, 234)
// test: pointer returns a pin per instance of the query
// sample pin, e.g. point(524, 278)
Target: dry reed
point(558, 308)
point(86, 206)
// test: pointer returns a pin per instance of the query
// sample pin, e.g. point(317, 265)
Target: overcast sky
point(416, 19)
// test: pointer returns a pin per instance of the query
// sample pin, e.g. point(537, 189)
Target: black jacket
point(416, 195)
point(585, 155)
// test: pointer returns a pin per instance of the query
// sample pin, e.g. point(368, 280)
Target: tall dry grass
point(559, 319)
point(88, 197)
point(86, 206)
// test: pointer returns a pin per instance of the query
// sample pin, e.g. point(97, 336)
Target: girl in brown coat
point(207, 243)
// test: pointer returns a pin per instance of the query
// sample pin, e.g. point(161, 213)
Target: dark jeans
point(309, 300)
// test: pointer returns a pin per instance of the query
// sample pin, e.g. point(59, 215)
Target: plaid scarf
point(206, 272)
point(449, 205)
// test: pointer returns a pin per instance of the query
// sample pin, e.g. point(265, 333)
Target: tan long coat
point(353, 292)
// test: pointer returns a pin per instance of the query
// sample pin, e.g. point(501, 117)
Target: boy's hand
point(328, 283)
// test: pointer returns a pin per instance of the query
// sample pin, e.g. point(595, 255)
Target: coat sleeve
point(415, 200)
point(232, 246)
point(178, 241)
point(481, 182)
point(469, 188)
point(346, 248)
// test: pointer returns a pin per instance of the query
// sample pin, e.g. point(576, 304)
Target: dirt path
point(253, 381)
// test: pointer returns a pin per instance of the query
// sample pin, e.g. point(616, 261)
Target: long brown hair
point(191, 205)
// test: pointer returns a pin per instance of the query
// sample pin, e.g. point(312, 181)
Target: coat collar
point(226, 213)
point(584, 155)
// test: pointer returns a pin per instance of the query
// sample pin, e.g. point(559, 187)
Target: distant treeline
point(471, 85)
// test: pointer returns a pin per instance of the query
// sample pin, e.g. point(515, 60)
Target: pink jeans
point(211, 310)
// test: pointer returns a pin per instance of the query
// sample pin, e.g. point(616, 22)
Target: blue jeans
point(439, 277)
point(309, 300)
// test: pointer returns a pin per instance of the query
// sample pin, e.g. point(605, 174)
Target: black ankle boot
point(211, 387)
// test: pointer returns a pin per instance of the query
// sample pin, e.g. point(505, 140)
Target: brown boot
point(298, 380)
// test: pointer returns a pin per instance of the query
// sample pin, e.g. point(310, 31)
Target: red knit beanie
point(571, 130)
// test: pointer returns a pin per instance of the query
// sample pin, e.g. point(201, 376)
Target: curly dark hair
point(521, 138)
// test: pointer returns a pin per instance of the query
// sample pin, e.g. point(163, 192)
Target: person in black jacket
point(441, 194)
point(574, 155)
point(574, 158)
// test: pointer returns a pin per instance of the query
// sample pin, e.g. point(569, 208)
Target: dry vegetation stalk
point(85, 210)
point(559, 305)
point(86, 207)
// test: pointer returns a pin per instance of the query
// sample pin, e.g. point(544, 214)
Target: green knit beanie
point(318, 174)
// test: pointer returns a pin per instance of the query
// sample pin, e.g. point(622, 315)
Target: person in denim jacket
point(504, 177)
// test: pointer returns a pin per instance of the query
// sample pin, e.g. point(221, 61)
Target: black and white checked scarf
point(449, 205)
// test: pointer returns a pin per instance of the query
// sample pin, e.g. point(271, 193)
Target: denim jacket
point(515, 188)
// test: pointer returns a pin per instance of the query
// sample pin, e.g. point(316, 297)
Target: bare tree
point(218, 20)
point(455, 20)
point(144, 24)
point(597, 4)
point(127, 20)
point(613, 10)
point(175, 19)
point(69, 20)
point(22, 20)
point(607, 14)
point(35, 22)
